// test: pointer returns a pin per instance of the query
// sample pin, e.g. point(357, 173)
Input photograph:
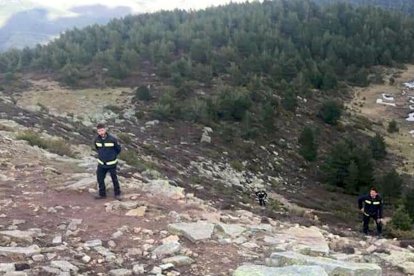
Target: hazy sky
point(136, 5)
point(60, 8)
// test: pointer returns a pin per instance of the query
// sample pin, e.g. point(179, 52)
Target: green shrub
point(196, 110)
point(330, 112)
point(391, 186)
point(308, 146)
point(33, 138)
point(233, 103)
point(409, 202)
point(162, 111)
point(124, 137)
point(378, 147)
point(289, 100)
point(401, 220)
point(143, 93)
point(132, 159)
point(392, 127)
point(58, 146)
point(237, 165)
point(114, 108)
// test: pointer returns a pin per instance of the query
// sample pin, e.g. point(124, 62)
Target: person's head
point(101, 129)
point(373, 192)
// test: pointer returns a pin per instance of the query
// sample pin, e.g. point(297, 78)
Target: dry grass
point(364, 105)
point(80, 102)
point(57, 146)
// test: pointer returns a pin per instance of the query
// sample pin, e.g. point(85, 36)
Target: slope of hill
point(221, 102)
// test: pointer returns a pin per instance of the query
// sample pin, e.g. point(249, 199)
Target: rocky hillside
point(51, 225)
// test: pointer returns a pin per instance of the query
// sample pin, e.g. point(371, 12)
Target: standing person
point(371, 207)
point(261, 197)
point(108, 150)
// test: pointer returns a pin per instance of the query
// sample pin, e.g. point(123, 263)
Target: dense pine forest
point(290, 43)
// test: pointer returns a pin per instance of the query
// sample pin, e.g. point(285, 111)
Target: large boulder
point(167, 249)
point(19, 235)
point(232, 230)
point(194, 231)
point(331, 266)
point(163, 187)
point(294, 270)
point(307, 240)
point(27, 251)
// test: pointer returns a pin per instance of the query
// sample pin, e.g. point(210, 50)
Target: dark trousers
point(262, 201)
point(366, 220)
point(101, 173)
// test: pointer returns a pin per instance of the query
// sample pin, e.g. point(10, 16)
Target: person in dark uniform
point(261, 197)
point(108, 150)
point(371, 207)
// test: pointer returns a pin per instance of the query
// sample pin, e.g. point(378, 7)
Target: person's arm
point(117, 146)
point(94, 143)
point(380, 208)
point(360, 200)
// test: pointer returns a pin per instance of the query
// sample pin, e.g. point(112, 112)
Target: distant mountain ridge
point(30, 27)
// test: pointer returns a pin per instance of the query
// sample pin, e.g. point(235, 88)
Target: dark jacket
point(108, 149)
point(261, 194)
point(372, 206)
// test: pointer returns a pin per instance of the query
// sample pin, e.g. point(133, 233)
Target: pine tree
point(335, 167)
point(308, 146)
point(409, 202)
point(392, 127)
point(401, 220)
point(391, 185)
point(351, 180)
point(378, 147)
point(330, 112)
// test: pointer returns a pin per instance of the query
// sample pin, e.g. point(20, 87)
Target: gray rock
point(166, 266)
point(151, 174)
point(163, 187)
point(38, 258)
point(261, 227)
point(307, 240)
point(152, 123)
point(82, 184)
point(260, 270)
point(93, 243)
point(331, 266)
point(167, 249)
point(86, 259)
point(15, 273)
point(138, 269)
point(108, 254)
point(28, 251)
point(117, 234)
point(73, 225)
point(205, 138)
point(194, 231)
point(65, 266)
point(7, 267)
point(51, 270)
point(57, 240)
point(232, 230)
point(178, 260)
point(19, 235)
point(120, 272)
point(156, 270)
